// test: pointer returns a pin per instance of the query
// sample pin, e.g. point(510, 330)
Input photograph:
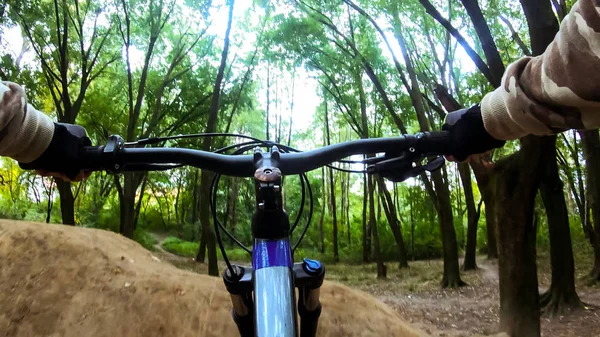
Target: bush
point(180, 247)
point(145, 239)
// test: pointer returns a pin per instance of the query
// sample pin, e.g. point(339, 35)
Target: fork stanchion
point(239, 286)
point(309, 278)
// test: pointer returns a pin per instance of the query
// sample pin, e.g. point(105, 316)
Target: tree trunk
point(127, 204)
point(67, 202)
point(451, 277)
point(268, 99)
point(488, 45)
point(412, 229)
point(591, 153)
point(381, 268)
point(561, 297)
point(483, 175)
point(235, 190)
point(138, 205)
point(575, 180)
point(482, 66)
point(178, 220)
point(517, 184)
point(472, 216)
point(195, 199)
point(205, 177)
point(336, 257)
point(392, 217)
point(347, 197)
point(207, 240)
point(491, 221)
point(364, 122)
point(441, 195)
point(366, 244)
point(342, 176)
point(49, 206)
point(289, 140)
point(324, 201)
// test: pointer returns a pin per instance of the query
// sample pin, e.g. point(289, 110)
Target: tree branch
point(482, 66)
point(515, 36)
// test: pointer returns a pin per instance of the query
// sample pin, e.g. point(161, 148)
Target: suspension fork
point(239, 286)
point(309, 278)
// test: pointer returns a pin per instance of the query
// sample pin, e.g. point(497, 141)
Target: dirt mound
point(66, 281)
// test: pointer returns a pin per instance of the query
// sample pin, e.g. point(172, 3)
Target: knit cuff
point(34, 136)
point(497, 120)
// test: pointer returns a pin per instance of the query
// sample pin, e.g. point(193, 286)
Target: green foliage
point(180, 247)
point(145, 239)
point(326, 46)
point(190, 249)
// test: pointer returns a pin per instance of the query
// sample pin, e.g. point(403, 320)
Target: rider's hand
point(61, 158)
point(467, 134)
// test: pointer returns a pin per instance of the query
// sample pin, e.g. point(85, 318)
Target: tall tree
point(205, 176)
point(470, 261)
point(146, 93)
point(332, 196)
point(519, 298)
point(381, 268)
point(392, 217)
point(591, 152)
point(72, 56)
point(561, 295)
point(323, 201)
point(441, 196)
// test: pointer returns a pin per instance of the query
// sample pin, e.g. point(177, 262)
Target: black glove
point(63, 153)
point(467, 133)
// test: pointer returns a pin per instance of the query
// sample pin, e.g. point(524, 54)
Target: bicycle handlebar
point(115, 157)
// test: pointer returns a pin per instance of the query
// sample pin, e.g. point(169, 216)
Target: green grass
point(180, 247)
point(145, 239)
point(190, 249)
point(421, 276)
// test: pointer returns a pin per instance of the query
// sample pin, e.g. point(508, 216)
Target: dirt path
point(474, 309)
point(70, 281)
point(465, 312)
point(181, 262)
point(160, 238)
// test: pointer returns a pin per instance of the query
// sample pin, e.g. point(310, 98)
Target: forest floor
point(473, 309)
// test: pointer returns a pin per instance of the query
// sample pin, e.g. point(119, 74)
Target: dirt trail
point(466, 312)
point(160, 238)
point(67, 281)
point(474, 309)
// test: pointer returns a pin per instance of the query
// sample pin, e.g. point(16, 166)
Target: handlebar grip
point(434, 143)
point(93, 158)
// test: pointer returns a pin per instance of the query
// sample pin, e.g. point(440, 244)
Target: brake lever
point(403, 167)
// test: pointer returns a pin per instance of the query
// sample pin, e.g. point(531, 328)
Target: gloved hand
point(467, 134)
point(61, 158)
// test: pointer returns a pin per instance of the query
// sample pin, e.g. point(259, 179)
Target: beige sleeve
point(25, 133)
point(553, 92)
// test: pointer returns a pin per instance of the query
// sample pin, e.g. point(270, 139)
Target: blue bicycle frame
point(274, 295)
point(263, 296)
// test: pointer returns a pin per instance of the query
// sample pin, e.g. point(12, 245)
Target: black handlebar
point(115, 157)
